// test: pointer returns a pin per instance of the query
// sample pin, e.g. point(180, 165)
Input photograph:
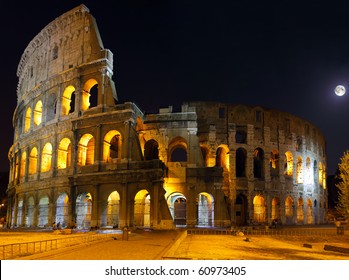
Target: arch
point(241, 156)
point(178, 150)
point(86, 150)
point(151, 150)
point(205, 209)
point(23, 164)
point(309, 176)
point(19, 212)
point(89, 89)
point(205, 155)
point(64, 153)
point(299, 170)
point(28, 118)
point(259, 209)
point(113, 210)
point(38, 113)
point(222, 157)
point(112, 146)
point(321, 174)
point(275, 209)
point(68, 100)
point(288, 163)
point(62, 210)
point(258, 163)
point(309, 211)
point(274, 163)
point(289, 210)
point(46, 158)
point(51, 103)
point(300, 211)
point(83, 210)
point(43, 211)
point(33, 161)
point(241, 210)
point(177, 204)
point(315, 173)
point(29, 219)
point(142, 209)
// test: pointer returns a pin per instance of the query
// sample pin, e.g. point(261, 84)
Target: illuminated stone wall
point(80, 157)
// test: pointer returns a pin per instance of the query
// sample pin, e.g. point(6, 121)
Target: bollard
point(125, 233)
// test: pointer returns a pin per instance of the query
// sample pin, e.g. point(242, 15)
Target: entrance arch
point(177, 203)
point(29, 219)
point(113, 210)
point(205, 209)
point(83, 210)
point(240, 210)
point(300, 211)
point(289, 210)
point(259, 210)
point(142, 209)
point(62, 210)
point(43, 211)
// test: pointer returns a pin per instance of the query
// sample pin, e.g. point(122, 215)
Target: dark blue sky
point(287, 55)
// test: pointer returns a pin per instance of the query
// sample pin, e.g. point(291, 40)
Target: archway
point(309, 211)
point(83, 210)
point(112, 146)
point(43, 211)
point(19, 212)
point(62, 208)
point(142, 209)
point(289, 210)
point(240, 210)
point(64, 153)
point(113, 210)
point(86, 150)
point(300, 211)
point(275, 209)
point(205, 209)
point(177, 203)
point(151, 150)
point(259, 210)
point(29, 219)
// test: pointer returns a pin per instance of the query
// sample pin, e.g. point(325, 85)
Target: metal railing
point(16, 250)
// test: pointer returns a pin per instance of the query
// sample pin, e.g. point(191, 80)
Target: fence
point(12, 251)
point(267, 232)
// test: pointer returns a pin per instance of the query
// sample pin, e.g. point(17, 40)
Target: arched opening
point(259, 209)
point(205, 153)
point(320, 174)
point(309, 211)
point(29, 219)
point(28, 117)
point(19, 212)
point(23, 164)
point(62, 210)
point(46, 157)
point(83, 210)
point(258, 163)
point(38, 113)
point(68, 100)
point(112, 146)
point(142, 209)
point(289, 210)
point(309, 176)
point(241, 156)
point(240, 210)
point(33, 161)
point(288, 163)
point(89, 95)
point(177, 204)
point(151, 150)
point(113, 210)
point(274, 163)
point(300, 211)
point(275, 209)
point(299, 170)
point(50, 108)
point(205, 211)
point(64, 154)
point(43, 211)
point(222, 158)
point(86, 150)
point(178, 150)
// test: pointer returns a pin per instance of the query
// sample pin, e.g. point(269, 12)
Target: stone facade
point(80, 157)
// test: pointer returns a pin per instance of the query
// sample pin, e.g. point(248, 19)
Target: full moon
point(339, 90)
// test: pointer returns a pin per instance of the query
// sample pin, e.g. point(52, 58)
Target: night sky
point(286, 55)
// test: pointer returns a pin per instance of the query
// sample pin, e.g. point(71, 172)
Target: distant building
point(78, 155)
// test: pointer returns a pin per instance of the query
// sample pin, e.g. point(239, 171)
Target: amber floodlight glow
point(339, 90)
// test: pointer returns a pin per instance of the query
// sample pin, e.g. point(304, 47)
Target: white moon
point(339, 90)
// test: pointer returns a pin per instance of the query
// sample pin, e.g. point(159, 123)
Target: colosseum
point(78, 156)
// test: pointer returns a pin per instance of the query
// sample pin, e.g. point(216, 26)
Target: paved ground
point(150, 245)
